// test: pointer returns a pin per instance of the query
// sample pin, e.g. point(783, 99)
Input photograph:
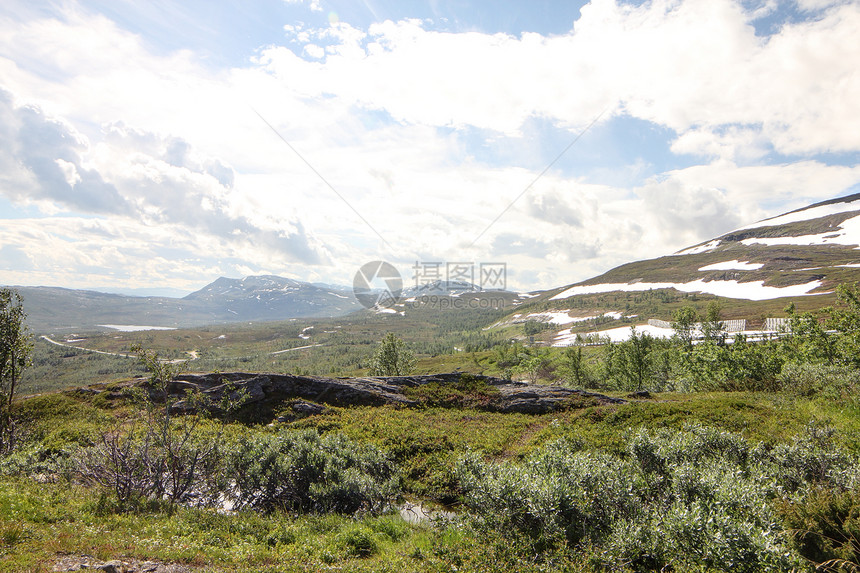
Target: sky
point(154, 146)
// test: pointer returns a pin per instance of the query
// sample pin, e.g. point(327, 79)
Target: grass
point(38, 521)
point(51, 519)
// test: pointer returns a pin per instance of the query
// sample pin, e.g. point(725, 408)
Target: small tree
point(15, 348)
point(392, 358)
point(713, 328)
point(684, 324)
point(576, 366)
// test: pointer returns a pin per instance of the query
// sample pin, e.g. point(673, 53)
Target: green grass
point(38, 521)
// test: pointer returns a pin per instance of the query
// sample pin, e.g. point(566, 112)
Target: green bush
point(809, 379)
point(556, 494)
point(467, 391)
point(811, 458)
point(358, 541)
point(38, 459)
point(304, 472)
point(691, 499)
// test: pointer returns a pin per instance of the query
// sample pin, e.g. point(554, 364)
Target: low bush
point(303, 472)
point(691, 499)
point(825, 527)
point(831, 380)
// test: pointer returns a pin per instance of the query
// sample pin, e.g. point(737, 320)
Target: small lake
point(135, 327)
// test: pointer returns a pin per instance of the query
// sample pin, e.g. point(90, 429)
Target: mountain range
point(258, 298)
point(802, 253)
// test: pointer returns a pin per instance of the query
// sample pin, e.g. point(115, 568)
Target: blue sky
point(142, 140)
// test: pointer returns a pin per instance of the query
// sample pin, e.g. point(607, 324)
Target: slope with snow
point(851, 203)
point(805, 252)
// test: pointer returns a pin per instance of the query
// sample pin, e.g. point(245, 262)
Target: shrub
point(163, 456)
point(38, 459)
point(811, 457)
point(808, 379)
point(304, 472)
point(558, 493)
point(358, 541)
point(467, 391)
point(139, 464)
point(694, 499)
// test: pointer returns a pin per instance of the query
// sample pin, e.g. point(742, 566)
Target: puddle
point(416, 514)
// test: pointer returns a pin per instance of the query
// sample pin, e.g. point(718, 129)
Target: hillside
point(807, 251)
point(753, 273)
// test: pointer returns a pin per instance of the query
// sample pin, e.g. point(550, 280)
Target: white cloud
point(815, 5)
point(384, 115)
point(314, 5)
point(692, 66)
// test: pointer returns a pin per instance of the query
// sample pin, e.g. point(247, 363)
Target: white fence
point(777, 324)
point(738, 325)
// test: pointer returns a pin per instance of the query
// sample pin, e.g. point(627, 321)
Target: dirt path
point(52, 341)
point(192, 354)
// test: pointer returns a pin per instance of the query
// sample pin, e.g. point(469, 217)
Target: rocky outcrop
point(540, 399)
point(90, 563)
point(311, 391)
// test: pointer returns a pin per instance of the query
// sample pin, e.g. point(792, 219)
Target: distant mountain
point(270, 297)
point(52, 308)
point(440, 288)
point(803, 252)
point(225, 300)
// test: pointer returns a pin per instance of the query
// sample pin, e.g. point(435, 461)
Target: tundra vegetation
point(738, 456)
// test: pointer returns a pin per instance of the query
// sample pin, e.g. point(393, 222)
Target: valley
point(588, 427)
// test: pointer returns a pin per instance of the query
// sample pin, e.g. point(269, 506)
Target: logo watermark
point(445, 276)
point(377, 284)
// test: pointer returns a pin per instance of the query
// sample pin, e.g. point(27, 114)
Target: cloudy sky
point(155, 144)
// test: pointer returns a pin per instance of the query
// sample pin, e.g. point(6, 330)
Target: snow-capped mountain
point(440, 288)
point(269, 297)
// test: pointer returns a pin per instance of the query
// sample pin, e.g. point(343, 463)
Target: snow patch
point(753, 290)
point(135, 328)
point(710, 246)
point(732, 266)
point(848, 233)
point(559, 317)
point(807, 214)
point(566, 338)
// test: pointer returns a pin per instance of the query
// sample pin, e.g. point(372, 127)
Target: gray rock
point(112, 567)
point(369, 391)
point(308, 409)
